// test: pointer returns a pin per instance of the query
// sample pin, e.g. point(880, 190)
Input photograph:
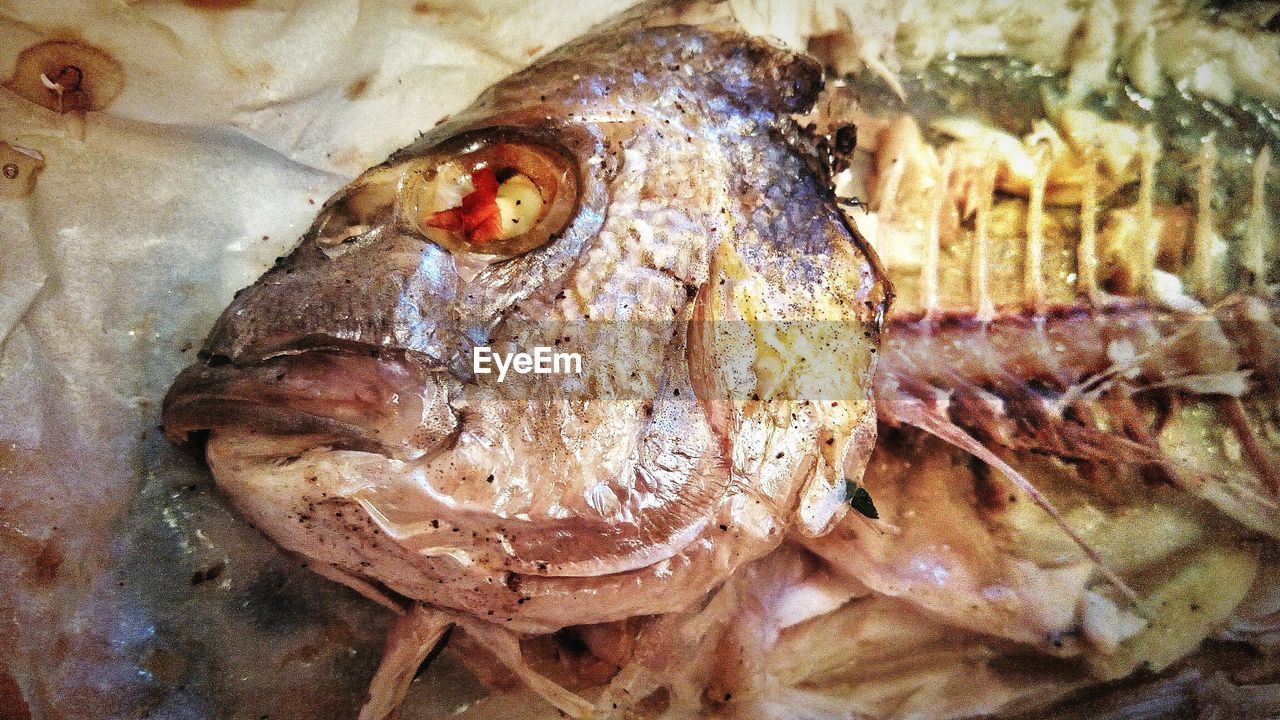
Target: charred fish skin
point(344, 422)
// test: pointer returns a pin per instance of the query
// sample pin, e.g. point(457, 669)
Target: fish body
point(1076, 390)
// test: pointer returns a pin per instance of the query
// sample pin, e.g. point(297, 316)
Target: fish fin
point(1095, 384)
point(1263, 464)
point(1233, 383)
point(914, 412)
point(367, 589)
point(412, 638)
point(505, 646)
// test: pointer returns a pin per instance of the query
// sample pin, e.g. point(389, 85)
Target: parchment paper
point(134, 592)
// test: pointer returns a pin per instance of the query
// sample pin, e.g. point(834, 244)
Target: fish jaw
point(353, 397)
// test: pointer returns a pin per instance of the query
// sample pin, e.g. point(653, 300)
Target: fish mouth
point(355, 397)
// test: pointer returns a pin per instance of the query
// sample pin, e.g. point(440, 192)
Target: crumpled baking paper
point(127, 588)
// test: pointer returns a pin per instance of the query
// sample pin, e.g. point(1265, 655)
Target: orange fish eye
point(504, 198)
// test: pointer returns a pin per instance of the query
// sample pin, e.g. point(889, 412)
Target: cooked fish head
point(641, 199)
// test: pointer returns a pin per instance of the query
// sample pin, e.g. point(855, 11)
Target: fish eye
point(502, 197)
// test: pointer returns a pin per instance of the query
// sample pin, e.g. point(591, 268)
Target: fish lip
point(219, 392)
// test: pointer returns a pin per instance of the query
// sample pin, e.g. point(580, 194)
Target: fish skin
point(344, 422)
